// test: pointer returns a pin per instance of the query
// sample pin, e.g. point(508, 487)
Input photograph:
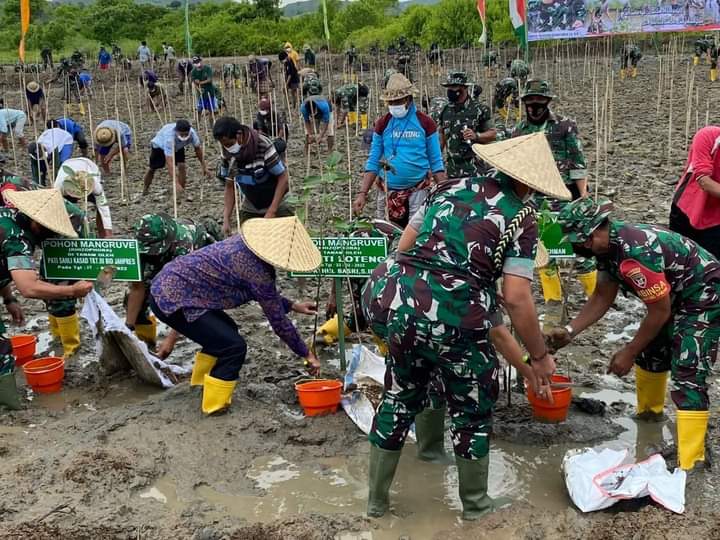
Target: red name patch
point(650, 286)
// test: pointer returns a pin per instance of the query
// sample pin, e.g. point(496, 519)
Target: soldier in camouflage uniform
point(161, 239)
point(519, 70)
point(463, 122)
point(350, 99)
point(679, 282)
point(21, 233)
point(506, 104)
point(703, 46)
point(434, 303)
point(630, 56)
point(562, 134)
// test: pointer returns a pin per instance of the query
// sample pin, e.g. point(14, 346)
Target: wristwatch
point(10, 300)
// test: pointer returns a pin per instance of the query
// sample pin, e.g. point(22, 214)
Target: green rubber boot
point(430, 433)
point(9, 396)
point(380, 476)
point(473, 485)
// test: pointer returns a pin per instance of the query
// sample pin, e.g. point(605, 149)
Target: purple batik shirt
point(223, 276)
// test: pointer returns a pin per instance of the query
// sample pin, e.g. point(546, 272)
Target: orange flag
point(24, 24)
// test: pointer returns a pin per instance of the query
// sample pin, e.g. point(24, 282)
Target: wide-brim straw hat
point(105, 136)
point(282, 242)
point(398, 87)
point(529, 160)
point(45, 206)
point(542, 257)
point(32, 86)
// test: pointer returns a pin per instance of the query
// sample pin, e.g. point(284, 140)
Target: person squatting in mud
point(29, 218)
point(434, 304)
point(191, 294)
point(679, 282)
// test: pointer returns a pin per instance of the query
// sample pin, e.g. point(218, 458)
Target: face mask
point(183, 139)
point(582, 251)
point(537, 112)
point(453, 95)
point(263, 113)
point(398, 111)
point(234, 149)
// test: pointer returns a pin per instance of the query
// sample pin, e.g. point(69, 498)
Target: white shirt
point(143, 53)
point(82, 164)
point(54, 139)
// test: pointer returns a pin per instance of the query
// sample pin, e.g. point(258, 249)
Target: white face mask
point(234, 149)
point(398, 111)
point(263, 113)
point(183, 139)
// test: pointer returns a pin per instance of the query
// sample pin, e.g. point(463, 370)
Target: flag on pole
point(481, 12)
point(519, 21)
point(24, 24)
point(188, 37)
point(325, 23)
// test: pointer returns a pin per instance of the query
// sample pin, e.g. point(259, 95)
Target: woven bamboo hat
point(46, 206)
point(542, 257)
point(32, 86)
point(105, 136)
point(282, 242)
point(529, 160)
point(398, 87)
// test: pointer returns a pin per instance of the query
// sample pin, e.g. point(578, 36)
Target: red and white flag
point(481, 12)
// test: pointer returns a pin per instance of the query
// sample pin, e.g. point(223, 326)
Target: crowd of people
point(457, 186)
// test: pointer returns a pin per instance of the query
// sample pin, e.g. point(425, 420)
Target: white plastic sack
point(597, 480)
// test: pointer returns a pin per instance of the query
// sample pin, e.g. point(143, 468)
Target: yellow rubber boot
point(147, 332)
point(202, 366)
point(52, 322)
point(691, 430)
point(650, 390)
point(352, 117)
point(696, 60)
point(363, 121)
point(82, 108)
point(217, 394)
point(588, 280)
point(69, 329)
point(330, 331)
point(622, 74)
point(550, 283)
point(713, 75)
point(634, 72)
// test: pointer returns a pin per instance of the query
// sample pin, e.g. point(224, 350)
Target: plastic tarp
point(597, 479)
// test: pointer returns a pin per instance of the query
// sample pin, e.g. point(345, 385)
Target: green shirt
point(202, 74)
point(455, 117)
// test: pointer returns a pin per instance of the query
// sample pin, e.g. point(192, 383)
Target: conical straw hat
point(46, 206)
point(542, 257)
point(528, 159)
point(282, 242)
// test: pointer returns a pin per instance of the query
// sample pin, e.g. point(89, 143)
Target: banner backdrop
point(559, 19)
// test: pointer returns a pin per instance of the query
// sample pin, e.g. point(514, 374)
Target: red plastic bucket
point(23, 347)
point(45, 375)
point(319, 397)
point(555, 412)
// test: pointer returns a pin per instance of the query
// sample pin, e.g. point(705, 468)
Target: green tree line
point(238, 28)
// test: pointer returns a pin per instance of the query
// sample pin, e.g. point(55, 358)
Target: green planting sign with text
point(85, 258)
point(348, 257)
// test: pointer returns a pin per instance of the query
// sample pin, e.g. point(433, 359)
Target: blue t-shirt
point(321, 104)
point(67, 124)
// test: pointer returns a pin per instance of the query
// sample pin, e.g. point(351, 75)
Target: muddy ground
point(110, 458)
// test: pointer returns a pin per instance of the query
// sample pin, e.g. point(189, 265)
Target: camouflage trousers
point(688, 347)
point(61, 307)
point(465, 362)
point(7, 359)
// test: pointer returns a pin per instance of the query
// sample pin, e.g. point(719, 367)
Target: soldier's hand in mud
point(469, 135)
point(621, 362)
point(359, 202)
point(306, 308)
point(312, 364)
point(558, 338)
point(16, 312)
point(80, 289)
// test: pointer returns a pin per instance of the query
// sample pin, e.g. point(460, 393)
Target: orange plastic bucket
point(45, 375)
point(23, 347)
point(318, 397)
point(544, 411)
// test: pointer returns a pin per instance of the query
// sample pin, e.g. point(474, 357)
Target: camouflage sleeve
point(520, 256)
point(18, 250)
point(483, 122)
point(576, 166)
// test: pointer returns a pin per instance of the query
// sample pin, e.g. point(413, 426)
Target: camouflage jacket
point(449, 275)
point(17, 244)
point(565, 143)
point(506, 90)
point(652, 262)
point(632, 51)
point(437, 104)
point(519, 69)
point(189, 236)
point(350, 100)
point(455, 117)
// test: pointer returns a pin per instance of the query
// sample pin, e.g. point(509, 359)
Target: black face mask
point(454, 95)
point(582, 251)
point(537, 113)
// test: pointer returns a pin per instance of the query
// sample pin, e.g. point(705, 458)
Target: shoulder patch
point(650, 286)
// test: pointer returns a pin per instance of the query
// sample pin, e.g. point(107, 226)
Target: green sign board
point(552, 236)
point(348, 257)
point(84, 258)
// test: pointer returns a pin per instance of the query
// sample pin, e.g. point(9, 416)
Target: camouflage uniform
point(435, 302)
point(519, 69)
point(351, 99)
point(460, 160)
point(630, 55)
point(505, 99)
point(162, 239)
point(651, 262)
point(437, 105)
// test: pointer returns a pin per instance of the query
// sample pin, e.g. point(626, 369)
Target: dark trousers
point(216, 333)
point(707, 238)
